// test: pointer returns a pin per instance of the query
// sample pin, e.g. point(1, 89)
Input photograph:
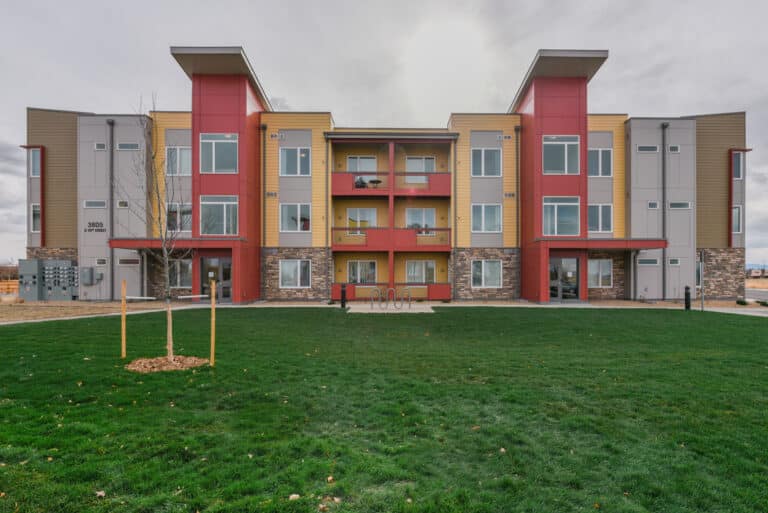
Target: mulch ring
point(162, 363)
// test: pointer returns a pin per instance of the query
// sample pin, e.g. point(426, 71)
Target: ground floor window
point(180, 273)
point(486, 274)
point(295, 274)
point(420, 271)
point(361, 271)
point(600, 273)
point(35, 228)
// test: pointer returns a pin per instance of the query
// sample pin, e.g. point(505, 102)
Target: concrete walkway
point(364, 307)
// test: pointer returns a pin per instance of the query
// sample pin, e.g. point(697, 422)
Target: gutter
point(518, 129)
point(111, 125)
point(664, 127)
point(263, 200)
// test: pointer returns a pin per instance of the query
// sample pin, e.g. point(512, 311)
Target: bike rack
point(383, 300)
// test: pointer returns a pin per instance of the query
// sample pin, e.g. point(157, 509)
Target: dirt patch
point(162, 364)
point(757, 283)
point(67, 309)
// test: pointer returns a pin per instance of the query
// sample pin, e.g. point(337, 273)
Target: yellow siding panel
point(161, 121)
point(615, 123)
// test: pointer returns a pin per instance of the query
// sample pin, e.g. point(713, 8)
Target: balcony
point(423, 184)
point(384, 239)
point(348, 183)
point(418, 291)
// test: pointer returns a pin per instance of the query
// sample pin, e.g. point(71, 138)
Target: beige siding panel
point(615, 123)
point(715, 135)
point(56, 131)
point(161, 121)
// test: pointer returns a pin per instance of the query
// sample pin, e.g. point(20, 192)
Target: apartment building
point(543, 202)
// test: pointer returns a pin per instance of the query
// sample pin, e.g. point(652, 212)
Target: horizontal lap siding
point(161, 121)
point(615, 124)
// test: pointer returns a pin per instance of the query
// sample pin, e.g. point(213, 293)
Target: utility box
point(86, 276)
point(61, 280)
point(31, 279)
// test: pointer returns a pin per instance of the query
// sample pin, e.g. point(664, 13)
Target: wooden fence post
point(122, 319)
point(213, 323)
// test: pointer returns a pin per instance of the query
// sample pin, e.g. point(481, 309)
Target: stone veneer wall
point(52, 253)
point(724, 271)
point(460, 273)
point(619, 276)
point(320, 286)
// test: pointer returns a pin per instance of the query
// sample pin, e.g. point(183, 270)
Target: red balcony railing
point(346, 183)
point(422, 239)
point(423, 184)
point(418, 291)
point(430, 291)
point(359, 239)
point(384, 239)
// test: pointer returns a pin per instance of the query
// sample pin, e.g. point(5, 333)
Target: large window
point(486, 162)
point(361, 271)
point(295, 217)
point(295, 274)
point(486, 274)
point(218, 153)
point(179, 217)
point(420, 218)
point(600, 162)
point(295, 162)
point(600, 218)
point(180, 273)
point(420, 271)
point(178, 160)
point(600, 274)
point(127, 146)
point(738, 165)
point(218, 215)
point(736, 219)
point(419, 165)
point(358, 164)
point(34, 225)
point(486, 218)
point(561, 215)
point(33, 162)
point(361, 218)
point(560, 154)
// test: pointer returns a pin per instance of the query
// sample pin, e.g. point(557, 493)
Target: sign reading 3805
point(95, 227)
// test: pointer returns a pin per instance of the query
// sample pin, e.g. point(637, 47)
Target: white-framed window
point(486, 218)
point(128, 261)
point(560, 155)
point(418, 165)
point(361, 163)
point(360, 218)
point(180, 273)
point(674, 261)
point(295, 274)
point(679, 205)
point(95, 204)
point(647, 148)
point(361, 271)
point(178, 160)
point(653, 205)
point(486, 162)
point(99, 146)
point(34, 225)
point(561, 215)
point(218, 215)
point(647, 261)
point(600, 273)
point(600, 218)
point(127, 146)
point(295, 217)
point(674, 148)
point(486, 274)
point(420, 219)
point(600, 162)
point(179, 217)
point(420, 271)
point(122, 203)
point(295, 161)
point(218, 153)
point(736, 218)
point(738, 165)
point(101, 262)
point(33, 162)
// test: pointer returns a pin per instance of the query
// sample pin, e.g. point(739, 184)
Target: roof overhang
point(616, 244)
point(560, 64)
point(388, 136)
point(219, 60)
point(198, 243)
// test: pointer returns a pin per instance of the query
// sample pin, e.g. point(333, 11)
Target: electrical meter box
point(31, 279)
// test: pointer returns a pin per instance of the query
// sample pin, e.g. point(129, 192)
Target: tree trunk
point(169, 328)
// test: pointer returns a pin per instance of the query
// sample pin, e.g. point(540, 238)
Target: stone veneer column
point(321, 273)
point(724, 272)
point(510, 273)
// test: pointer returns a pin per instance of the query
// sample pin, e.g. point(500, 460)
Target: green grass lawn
point(616, 410)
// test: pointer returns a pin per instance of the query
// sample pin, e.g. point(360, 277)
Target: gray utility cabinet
point(48, 280)
point(31, 280)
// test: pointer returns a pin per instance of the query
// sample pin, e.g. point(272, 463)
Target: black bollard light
point(687, 297)
point(343, 295)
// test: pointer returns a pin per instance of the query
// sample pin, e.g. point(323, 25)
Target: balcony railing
point(421, 239)
point(418, 291)
point(423, 184)
point(348, 183)
point(384, 239)
point(362, 238)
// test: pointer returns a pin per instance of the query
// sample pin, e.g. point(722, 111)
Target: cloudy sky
point(401, 63)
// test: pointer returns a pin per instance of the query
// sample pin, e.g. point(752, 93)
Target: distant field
point(595, 409)
point(757, 283)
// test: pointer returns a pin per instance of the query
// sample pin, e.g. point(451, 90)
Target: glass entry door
point(563, 278)
point(219, 269)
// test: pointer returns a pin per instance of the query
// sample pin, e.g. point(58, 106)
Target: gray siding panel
point(178, 137)
point(295, 138)
point(295, 240)
point(600, 140)
point(487, 240)
point(486, 139)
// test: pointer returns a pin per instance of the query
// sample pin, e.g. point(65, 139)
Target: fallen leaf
point(294, 496)
point(503, 450)
point(2, 494)
point(330, 479)
point(597, 505)
point(79, 383)
point(250, 455)
point(50, 458)
point(475, 428)
point(322, 507)
point(409, 500)
point(101, 493)
point(337, 500)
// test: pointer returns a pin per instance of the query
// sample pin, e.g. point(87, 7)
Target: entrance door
point(563, 278)
point(219, 269)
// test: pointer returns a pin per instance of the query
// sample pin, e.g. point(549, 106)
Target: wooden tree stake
point(213, 323)
point(122, 319)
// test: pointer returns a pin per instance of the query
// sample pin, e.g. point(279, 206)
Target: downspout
point(518, 129)
point(263, 200)
point(328, 219)
point(111, 125)
point(664, 127)
point(455, 220)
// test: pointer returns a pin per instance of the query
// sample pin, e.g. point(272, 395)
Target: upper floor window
point(420, 218)
point(295, 162)
point(295, 217)
point(486, 218)
point(218, 215)
point(33, 162)
point(486, 162)
point(127, 146)
point(679, 205)
point(35, 222)
point(178, 160)
point(736, 219)
point(361, 218)
point(218, 153)
point(600, 162)
point(99, 146)
point(561, 215)
point(738, 165)
point(95, 204)
point(357, 164)
point(641, 148)
point(674, 148)
point(179, 217)
point(418, 166)
point(600, 218)
point(560, 155)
